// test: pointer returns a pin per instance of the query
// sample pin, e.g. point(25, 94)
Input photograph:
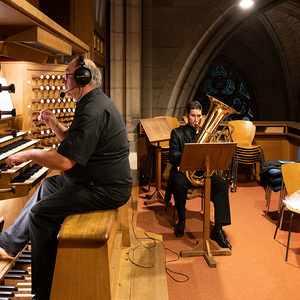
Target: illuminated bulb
point(246, 3)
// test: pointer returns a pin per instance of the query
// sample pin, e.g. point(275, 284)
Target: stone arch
point(200, 48)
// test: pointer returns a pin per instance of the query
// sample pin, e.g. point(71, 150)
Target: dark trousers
point(219, 196)
point(41, 218)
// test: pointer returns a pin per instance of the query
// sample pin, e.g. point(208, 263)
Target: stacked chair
point(242, 133)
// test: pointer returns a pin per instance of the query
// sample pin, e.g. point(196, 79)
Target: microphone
point(63, 94)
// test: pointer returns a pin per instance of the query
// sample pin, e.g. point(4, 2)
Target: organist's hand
point(48, 117)
point(17, 159)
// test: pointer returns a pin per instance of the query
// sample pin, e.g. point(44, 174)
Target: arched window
point(226, 84)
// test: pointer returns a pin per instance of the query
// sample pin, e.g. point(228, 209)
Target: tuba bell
point(208, 133)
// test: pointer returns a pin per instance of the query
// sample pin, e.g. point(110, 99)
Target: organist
point(93, 154)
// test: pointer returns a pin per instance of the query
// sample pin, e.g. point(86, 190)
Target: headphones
point(82, 75)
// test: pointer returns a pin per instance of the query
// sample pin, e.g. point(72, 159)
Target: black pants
point(219, 196)
point(41, 218)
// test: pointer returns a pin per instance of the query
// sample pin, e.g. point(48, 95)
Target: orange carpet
point(256, 268)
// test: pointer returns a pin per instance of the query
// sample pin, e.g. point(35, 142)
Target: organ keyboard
point(15, 147)
point(18, 180)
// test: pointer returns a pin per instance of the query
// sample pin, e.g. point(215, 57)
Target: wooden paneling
point(25, 76)
point(21, 15)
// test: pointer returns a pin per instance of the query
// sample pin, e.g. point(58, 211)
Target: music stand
point(206, 157)
point(157, 130)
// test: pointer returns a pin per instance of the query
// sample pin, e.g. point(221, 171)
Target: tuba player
point(178, 183)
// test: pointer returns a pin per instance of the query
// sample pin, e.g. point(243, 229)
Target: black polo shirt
point(97, 142)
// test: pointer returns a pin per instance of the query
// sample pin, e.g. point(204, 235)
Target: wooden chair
point(174, 123)
point(290, 175)
point(242, 133)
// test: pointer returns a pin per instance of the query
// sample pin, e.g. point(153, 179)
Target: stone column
point(125, 67)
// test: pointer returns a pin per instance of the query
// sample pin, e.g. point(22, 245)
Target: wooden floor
point(142, 272)
point(142, 269)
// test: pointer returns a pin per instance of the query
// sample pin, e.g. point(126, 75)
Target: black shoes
point(6, 251)
point(179, 229)
point(219, 237)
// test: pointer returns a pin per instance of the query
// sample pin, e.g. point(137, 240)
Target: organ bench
point(88, 255)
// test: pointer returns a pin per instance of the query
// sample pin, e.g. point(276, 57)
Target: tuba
point(208, 133)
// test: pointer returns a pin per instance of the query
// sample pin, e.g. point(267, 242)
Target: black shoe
point(6, 251)
point(219, 237)
point(179, 229)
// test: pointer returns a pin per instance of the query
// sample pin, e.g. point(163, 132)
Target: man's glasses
point(65, 77)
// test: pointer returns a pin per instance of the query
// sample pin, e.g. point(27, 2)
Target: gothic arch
point(202, 52)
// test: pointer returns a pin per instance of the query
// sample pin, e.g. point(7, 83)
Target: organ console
point(18, 180)
point(38, 87)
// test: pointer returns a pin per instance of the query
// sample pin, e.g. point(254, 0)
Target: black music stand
point(206, 157)
point(157, 130)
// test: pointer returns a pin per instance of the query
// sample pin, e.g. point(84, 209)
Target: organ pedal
point(17, 280)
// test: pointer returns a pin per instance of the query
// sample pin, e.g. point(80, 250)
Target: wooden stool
point(88, 255)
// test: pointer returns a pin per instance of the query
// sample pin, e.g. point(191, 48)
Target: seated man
point(178, 183)
point(93, 154)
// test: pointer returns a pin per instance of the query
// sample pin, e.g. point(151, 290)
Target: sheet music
point(5, 99)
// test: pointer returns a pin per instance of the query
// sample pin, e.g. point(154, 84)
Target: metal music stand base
point(206, 157)
point(157, 196)
point(207, 249)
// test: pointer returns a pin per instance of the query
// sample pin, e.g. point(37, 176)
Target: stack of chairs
point(242, 133)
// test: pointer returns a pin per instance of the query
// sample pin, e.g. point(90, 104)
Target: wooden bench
point(88, 255)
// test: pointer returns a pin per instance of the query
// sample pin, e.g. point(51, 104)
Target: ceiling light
point(246, 3)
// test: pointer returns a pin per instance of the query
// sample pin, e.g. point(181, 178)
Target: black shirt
point(179, 137)
point(97, 142)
